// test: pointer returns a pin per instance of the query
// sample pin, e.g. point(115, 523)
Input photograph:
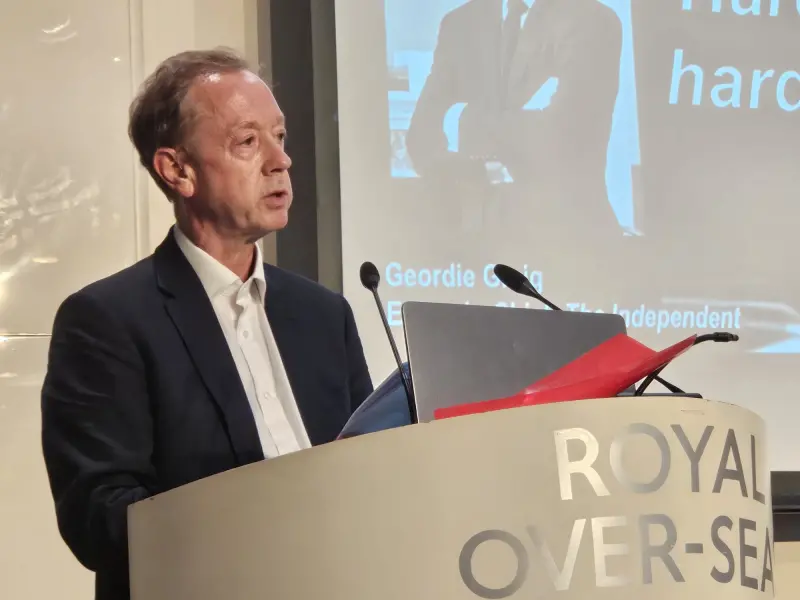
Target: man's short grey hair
point(158, 118)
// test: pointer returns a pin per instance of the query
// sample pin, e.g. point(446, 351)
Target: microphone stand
point(718, 336)
point(370, 279)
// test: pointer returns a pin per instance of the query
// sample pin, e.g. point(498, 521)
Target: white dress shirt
point(239, 307)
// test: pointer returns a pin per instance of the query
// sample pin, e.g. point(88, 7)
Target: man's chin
point(276, 220)
point(272, 224)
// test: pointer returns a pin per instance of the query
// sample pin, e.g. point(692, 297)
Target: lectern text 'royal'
point(720, 462)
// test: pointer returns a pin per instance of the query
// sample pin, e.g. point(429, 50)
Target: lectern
point(597, 499)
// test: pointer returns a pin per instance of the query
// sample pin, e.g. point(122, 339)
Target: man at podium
point(199, 358)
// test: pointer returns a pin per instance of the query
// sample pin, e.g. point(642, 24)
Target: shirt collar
point(215, 277)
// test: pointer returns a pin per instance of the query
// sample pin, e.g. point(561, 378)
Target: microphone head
point(370, 277)
point(512, 279)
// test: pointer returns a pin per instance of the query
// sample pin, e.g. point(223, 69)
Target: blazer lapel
point(190, 309)
point(295, 344)
point(533, 54)
point(491, 55)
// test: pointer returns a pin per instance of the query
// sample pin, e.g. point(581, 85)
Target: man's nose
point(277, 159)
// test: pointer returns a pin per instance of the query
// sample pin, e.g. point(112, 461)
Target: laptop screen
point(465, 353)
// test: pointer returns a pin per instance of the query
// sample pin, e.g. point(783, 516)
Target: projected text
point(728, 86)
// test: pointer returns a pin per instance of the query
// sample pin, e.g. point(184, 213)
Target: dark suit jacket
point(578, 41)
point(142, 395)
point(465, 69)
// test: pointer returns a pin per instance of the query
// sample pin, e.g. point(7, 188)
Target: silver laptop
point(465, 353)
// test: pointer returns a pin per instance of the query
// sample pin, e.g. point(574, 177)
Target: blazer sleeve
point(97, 431)
point(359, 380)
point(426, 142)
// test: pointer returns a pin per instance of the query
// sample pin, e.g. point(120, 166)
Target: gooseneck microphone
point(517, 282)
point(370, 279)
point(717, 336)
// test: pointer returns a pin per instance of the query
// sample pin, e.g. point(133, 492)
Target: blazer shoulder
point(295, 284)
point(605, 18)
point(121, 294)
point(128, 280)
point(469, 14)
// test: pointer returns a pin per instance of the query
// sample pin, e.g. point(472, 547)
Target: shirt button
point(245, 334)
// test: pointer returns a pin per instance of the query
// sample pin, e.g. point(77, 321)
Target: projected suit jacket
point(561, 150)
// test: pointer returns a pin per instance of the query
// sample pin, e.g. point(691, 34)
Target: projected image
point(604, 120)
point(636, 158)
point(511, 87)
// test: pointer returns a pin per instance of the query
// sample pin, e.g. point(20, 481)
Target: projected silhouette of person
point(486, 102)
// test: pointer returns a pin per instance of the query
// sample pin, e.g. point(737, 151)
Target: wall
point(74, 206)
point(787, 570)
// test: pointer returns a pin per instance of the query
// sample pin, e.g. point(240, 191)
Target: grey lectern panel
point(464, 353)
point(617, 499)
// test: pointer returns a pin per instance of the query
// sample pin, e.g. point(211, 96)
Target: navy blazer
point(142, 395)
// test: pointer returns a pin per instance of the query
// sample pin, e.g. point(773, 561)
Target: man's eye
point(248, 141)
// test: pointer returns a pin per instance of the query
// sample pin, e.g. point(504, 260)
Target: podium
point(652, 499)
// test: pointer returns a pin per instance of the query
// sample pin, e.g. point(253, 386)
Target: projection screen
point(636, 157)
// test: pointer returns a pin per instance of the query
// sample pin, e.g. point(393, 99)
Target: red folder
point(602, 372)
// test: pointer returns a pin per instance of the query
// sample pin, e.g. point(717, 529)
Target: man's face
point(235, 146)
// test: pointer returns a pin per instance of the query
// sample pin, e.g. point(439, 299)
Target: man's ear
point(175, 171)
